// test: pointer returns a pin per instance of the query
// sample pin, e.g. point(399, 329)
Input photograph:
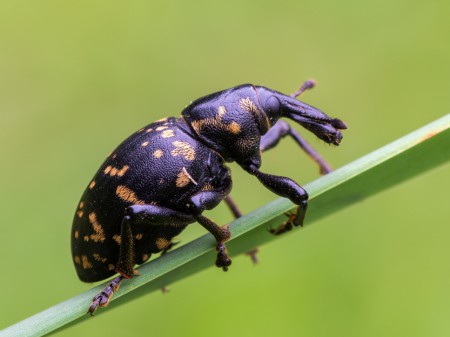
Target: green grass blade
point(397, 162)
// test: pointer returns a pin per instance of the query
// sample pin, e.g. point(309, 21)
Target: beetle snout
point(319, 123)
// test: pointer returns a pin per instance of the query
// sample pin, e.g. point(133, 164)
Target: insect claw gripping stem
point(102, 299)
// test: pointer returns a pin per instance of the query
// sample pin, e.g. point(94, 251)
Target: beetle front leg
point(207, 200)
point(221, 234)
point(282, 129)
point(284, 187)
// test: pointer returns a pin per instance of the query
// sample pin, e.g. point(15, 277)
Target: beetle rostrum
point(162, 178)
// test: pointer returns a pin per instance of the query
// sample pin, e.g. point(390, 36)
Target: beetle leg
point(284, 187)
point(237, 214)
point(149, 215)
point(102, 299)
point(282, 129)
point(221, 234)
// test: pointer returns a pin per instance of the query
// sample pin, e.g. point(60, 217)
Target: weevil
point(162, 178)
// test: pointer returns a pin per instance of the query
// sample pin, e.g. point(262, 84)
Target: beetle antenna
point(309, 84)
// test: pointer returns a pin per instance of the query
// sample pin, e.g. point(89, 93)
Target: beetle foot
point(285, 226)
point(223, 260)
point(102, 299)
point(253, 255)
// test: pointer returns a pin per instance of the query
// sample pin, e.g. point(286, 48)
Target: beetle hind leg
point(102, 299)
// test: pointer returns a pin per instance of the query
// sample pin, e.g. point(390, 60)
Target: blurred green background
point(77, 77)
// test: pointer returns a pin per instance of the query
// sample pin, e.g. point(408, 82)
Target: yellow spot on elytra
point(92, 184)
point(107, 169)
point(183, 149)
point(85, 262)
point(145, 257)
point(123, 170)
point(158, 154)
point(76, 234)
point(81, 204)
point(80, 214)
point(149, 130)
point(144, 144)
point(167, 134)
point(97, 257)
point(86, 238)
point(111, 267)
point(140, 130)
point(113, 172)
point(139, 236)
point(183, 178)
point(160, 128)
point(99, 234)
point(161, 120)
point(77, 259)
point(162, 243)
point(128, 195)
point(117, 238)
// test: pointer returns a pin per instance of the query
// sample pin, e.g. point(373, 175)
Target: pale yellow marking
point(145, 257)
point(162, 243)
point(115, 155)
point(149, 130)
point(139, 236)
point(81, 204)
point(77, 259)
point(97, 257)
point(128, 195)
point(111, 267)
point(158, 154)
point(248, 105)
point(207, 187)
point(85, 262)
point(117, 238)
point(113, 171)
point(92, 184)
point(140, 130)
point(123, 170)
point(216, 123)
point(161, 120)
point(98, 229)
point(80, 214)
point(234, 127)
point(86, 238)
point(107, 169)
point(167, 134)
point(76, 234)
point(144, 144)
point(221, 111)
point(183, 149)
point(183, 178)
point(160, 128)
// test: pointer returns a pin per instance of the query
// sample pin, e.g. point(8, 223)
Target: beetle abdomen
point(160, 164)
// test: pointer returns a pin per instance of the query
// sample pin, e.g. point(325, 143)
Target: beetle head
point(276, 105)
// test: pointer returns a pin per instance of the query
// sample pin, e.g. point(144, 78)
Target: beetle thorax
point(230, 122)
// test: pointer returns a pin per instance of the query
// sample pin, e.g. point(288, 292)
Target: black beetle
point(165, 175)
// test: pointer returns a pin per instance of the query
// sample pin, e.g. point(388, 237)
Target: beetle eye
point(272, 105)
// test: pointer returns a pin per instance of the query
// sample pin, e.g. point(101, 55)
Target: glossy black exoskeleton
point(165, 175)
